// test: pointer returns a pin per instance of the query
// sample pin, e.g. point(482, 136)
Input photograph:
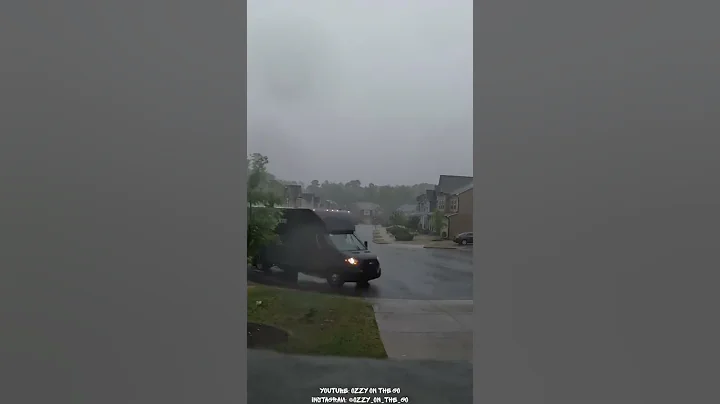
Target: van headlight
point(351, 261)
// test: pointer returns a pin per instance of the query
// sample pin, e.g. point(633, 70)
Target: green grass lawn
point(318, 324)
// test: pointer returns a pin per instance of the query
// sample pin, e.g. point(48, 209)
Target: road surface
point(408, 272)
point(278, 378)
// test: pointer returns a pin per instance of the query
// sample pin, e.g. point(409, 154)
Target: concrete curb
point(440, 248)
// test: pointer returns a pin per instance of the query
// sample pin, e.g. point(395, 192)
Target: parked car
point(464, 238)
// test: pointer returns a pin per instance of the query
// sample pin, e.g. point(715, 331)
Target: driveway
point(423, 301)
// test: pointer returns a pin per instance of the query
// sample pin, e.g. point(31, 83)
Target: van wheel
point(362, 284)
point(335, 280)
point(263, 266)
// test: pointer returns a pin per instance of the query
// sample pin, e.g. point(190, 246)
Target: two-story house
point(426, 205)
point(308, 200)
point(407, 210)
point(444, 191)
point(459, 215)
point(327, 204)
point(366, 211)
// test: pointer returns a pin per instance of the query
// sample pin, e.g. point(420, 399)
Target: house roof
point(462, 189)
point(448, 183)
point(407, 208)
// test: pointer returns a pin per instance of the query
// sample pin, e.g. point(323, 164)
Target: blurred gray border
point(596, 224)
point(122, 202)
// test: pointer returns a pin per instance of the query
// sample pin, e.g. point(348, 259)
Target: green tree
point(397, 219)
point(414, 222)
point(437, 220)
point(262, 198)
point(389, 197)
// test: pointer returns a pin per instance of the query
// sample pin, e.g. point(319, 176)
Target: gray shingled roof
point(407, 208)
point(462, 189)
point(449, 183)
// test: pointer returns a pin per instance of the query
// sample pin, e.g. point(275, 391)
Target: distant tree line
point(389, 197)
point(265, 191)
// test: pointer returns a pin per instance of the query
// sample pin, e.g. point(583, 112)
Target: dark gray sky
point(375, 91)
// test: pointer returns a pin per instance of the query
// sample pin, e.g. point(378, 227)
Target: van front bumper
point(361, 274)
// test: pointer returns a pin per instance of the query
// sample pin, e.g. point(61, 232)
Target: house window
point(454, 204)
point(441, 203)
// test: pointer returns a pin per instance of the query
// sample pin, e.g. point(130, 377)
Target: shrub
point(395, 229)
point(397, 218)
point(404, 236)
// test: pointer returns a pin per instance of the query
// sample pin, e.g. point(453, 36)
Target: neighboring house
point(366, 211)
point(328, 204)
point(426, 204)
point(444, 190)
point(407, 210)
point(447, 184)
point(307, 200)
point(292, 195)
point(440, 199)
point(459, 215)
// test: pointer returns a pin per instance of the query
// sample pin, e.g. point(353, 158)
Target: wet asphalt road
point(279, 378)
point(408, 272)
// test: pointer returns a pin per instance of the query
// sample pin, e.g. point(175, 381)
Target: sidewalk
point(448, 245)
point(381, 236)
point(425, 329)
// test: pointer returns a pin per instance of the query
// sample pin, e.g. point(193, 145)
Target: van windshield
point(346, 242)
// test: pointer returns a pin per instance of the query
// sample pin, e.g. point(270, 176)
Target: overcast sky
point(357, 89)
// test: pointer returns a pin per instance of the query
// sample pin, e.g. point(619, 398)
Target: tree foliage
point(389, 197)
point(413, 222)
point(262, 196)
point(266, 190)
point(437, 220)
point(397, 219)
